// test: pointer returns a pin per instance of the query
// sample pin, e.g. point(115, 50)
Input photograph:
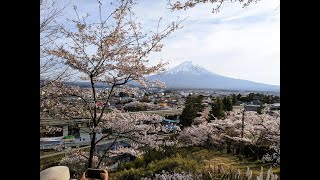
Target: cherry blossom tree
point(113, 51)
point(259, 130)
point(52, 70)
point(50, 66)
point(218, 4)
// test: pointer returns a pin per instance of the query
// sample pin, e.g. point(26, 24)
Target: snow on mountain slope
point(188, 67)
point(188, 75)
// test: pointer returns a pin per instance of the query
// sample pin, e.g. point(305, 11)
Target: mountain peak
point(188, 67)
point(189, 75)
point(186, 63)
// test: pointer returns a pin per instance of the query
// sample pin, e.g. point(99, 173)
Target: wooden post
point(242, 129)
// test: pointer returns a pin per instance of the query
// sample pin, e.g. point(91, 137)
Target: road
point(58, 153)
point(53, 122)
point(56, 144)
point(100, 143)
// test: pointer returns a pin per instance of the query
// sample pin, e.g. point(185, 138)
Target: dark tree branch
point(105, 152)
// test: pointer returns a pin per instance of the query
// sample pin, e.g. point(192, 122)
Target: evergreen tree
point(227, 104)
point(188, 114)
point(217, 110)
point(250, 97)
point(198, 103)
point(234, 100)
point(193, 105)
point(239, 97)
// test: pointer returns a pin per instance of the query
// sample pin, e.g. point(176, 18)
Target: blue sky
point(237, 42)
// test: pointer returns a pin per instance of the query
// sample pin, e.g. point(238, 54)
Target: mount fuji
point(189, 75)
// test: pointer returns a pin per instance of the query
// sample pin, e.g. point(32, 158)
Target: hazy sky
point(237, 42)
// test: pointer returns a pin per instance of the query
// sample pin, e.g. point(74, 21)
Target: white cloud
point(237, 42)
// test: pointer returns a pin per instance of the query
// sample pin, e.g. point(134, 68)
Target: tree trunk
point(228, 148)
point(93, 140)
point(238, 150)
point(92, 148)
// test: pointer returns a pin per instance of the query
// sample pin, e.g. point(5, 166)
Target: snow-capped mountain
point(189, 75)
point(188, 67)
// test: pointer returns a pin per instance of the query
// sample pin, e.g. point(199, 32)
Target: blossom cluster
point(258, 130)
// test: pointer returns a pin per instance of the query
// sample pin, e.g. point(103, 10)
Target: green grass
point(209, 157)
point(46, 152)
point(191, 160)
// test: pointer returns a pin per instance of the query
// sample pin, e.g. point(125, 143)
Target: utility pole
point(242, 129)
